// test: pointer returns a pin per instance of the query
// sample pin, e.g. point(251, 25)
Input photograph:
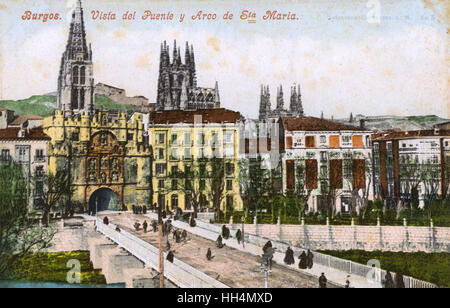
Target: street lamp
point(243, 236)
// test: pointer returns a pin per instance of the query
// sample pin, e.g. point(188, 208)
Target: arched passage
point(103, 199)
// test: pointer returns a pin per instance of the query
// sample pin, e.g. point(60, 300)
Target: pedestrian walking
point(322, 281)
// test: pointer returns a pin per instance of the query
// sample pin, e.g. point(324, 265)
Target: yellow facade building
point(108, 159)
point(193, 151)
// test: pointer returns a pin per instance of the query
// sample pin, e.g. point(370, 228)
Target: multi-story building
point(411, 159)
point(329, 160)
point(177, 83)
point(186, 146)
point(28, 148)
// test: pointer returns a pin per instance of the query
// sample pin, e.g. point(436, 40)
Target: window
point(5, 155)
point(75, 75)
point(174, 170)
point(130, 136)
point(82, 75)
point(160, 169)
point(39, 155)
point(161, 138)
point(187, 153)
point(334, 142)
point(228, 137)
point(174, 184)
point(214, 138)
point(346, 140)
point(357, 141)
point(174, 154)
point(174, 138)
point(323, 139)
point(201, 152)
point(160, 153)
point(310, 141)
point(40, 171)
point(229, 184)
point(229, 169)
point(160, 184)
point(187, 139)
point(201, 139)
point(323, 156)
point(174, 201)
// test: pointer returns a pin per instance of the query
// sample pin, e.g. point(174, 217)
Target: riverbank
point(52, 267)
point(431, 267)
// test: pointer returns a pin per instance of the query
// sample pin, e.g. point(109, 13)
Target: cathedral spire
point(216, 95)
point(280, 99)
point(299, 102)
point(187, 56)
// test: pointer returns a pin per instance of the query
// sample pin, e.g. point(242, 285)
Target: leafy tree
point(20, 233)
point(54, 190)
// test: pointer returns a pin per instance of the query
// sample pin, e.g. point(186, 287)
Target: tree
point(20, 233)
point(409, 171)
point(54, 190)
point(216, 181)
point(360, 191)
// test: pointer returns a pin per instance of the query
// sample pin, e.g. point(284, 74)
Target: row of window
point(174, 184)
point(160, 169)
point(355, 141)
point(201, 138)
point(22, 153)
point(187, 153)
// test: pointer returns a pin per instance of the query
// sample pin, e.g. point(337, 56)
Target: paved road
point(232, 267)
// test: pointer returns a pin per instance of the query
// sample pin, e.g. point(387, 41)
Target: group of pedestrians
point(137, 209)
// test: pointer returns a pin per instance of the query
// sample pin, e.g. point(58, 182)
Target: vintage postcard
point(218, 144)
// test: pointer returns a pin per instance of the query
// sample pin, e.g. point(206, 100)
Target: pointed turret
point(187, 56)
point(299, 102)
point(216, 96)
point(280, 99)
point(293, 101)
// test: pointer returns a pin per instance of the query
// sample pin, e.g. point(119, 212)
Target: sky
point(345, 56)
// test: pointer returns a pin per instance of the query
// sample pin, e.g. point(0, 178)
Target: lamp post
point(243, 236)
point(160, 240)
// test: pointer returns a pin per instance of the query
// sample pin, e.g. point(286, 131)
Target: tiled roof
point(220, 115)
point(411, 134)
point(315, 124)
point(11, 133)
point(19, 120)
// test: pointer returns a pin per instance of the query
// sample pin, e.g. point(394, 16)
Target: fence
point(180, 273)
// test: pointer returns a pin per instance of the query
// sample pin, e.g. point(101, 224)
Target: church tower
point(76, 81)
point(177, 82)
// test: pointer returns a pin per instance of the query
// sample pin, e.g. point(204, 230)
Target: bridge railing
point(180, 273)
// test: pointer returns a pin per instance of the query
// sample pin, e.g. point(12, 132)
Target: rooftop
point(316, 124)
point(219, 115)
point(411, 134)
point(12, 133)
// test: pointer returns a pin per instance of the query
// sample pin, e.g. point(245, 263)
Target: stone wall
point(385, 238)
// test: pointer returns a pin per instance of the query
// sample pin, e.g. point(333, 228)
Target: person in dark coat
point(219, 243)
point(137, 226)
point(209, 255)
point(239, 236)
point(144, 209)
point(184, 235)
point(154, 225)
point(399, 283)
point(163, 214)
point(267, 245)
point(303, 262)
point(289, 256)
point(167, 245)
point(388, 281)
point(117, 229)
point(309, 259)
point(192, 222)
point(322, 281)
point(170, 256)
point(106, 220)
point(145, 226)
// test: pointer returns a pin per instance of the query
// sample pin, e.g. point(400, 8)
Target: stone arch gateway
point(103, 199)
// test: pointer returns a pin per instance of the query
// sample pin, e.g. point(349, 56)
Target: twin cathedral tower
point(177, 81)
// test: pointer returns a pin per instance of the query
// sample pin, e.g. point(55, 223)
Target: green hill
point(43, 105)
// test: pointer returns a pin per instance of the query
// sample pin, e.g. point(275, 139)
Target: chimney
point(361, 123)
